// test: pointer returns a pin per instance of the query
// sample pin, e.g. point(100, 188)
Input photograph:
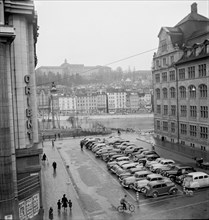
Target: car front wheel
point(174, 191)
point(154, 194)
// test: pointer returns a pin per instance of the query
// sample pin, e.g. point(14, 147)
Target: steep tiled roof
point(192, 17)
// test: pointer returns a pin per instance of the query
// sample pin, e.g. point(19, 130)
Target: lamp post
point(53, 90)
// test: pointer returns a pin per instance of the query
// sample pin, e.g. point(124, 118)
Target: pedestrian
point(119, 132)
point(64, 202)
point(55, 137)
point(59, 205)
point(70, 204)
point(52, 143)
point(58, 135)
point(54, 164)
point(51, 213)
point(44, 157)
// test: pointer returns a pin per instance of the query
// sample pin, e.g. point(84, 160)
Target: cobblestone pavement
point(54, 185)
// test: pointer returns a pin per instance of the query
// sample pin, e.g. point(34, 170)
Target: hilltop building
point(72, 69)
point(181, 82)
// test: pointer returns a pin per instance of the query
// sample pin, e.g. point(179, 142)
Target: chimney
point(194, 8)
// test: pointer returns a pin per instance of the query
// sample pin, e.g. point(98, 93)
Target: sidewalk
point(55, 185)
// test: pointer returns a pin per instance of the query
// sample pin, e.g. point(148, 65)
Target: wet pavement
point(96, 193)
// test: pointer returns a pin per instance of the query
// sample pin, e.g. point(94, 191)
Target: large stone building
point(72, 69)
point(20, 180)
point(181, 82)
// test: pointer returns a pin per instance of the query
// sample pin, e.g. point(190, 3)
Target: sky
point(102, 32)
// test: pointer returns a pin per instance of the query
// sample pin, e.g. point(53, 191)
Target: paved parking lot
point(98, 191)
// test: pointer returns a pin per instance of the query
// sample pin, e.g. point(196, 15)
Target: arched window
point(173, 92)
point(182, 91)
point(192, 91)
point(165, 93)
point(203, 91)
point(157, 93)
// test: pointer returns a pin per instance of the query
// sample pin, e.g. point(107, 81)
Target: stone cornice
point(7, 34)
point(19, 7)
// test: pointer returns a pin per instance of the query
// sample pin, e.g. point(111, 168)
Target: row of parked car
point(142, 169)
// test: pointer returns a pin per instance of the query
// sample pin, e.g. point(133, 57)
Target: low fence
point(63, 133)
point(183, 149)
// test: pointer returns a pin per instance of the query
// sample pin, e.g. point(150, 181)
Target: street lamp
point(53, 90)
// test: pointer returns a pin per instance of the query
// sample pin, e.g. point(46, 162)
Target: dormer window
point(207, 48)
point(163, 45)
point(188, 53)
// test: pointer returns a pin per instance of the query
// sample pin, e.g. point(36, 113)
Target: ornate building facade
point(20, 180)
point(181, 82)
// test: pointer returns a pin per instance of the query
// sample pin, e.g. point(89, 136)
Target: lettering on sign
point(28, 111)
point(29, 208)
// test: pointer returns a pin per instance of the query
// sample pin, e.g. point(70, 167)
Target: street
point(98, 192)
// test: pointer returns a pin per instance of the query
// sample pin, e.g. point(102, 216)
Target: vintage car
point(140, 185)
point(130, 181)
point(123, 158)
point(162, 163)
point(160, 187)
point(196, 180)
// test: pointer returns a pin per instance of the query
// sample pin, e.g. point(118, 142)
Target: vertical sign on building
point(22, 210)
point(28, 110)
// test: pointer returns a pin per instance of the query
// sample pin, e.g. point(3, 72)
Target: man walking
point(53, 143)
point(54, 164)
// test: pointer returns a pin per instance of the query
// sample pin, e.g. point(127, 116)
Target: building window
point(173, 129)
point(203, 132)
point(165, 93)
point(159, 109)
point(193, 111)
point(192, 92)
point(193, 130)
point(158, 63)
point(191, 72)
point(157, 78)
point(164, 62)
point(173, 92)
point(172, 75)
point(182, 142)
point(164, 77)
point(182, 92)
point(183, 109)
point(158, 125)
point(165, 126)
point(183, 129)
point(172, 59)
point(173, 110)
point(203, 91)
point(181, 74)
point(204, 111)
point(203, 148)
point(157, 93)
point(202, 70)
point(165, 109)
point(192, 145)
point(172, 140)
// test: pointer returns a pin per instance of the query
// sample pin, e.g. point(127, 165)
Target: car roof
point(143, 172)
point(194, 174)
point(152, 183)
point(129, 164)
point(183, 166)
point(154, 175)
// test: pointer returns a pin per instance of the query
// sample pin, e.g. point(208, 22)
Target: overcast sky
point(100, 32)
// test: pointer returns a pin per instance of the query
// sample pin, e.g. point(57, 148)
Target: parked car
point(162, 163)
point(196, 180)
point(140, 185)
point(130, 181)
point(150, 163)
point(123, 158)
point(177, 171)
point(156, 188)
point(126, 167)
point(114, 157)
point(129, 150)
